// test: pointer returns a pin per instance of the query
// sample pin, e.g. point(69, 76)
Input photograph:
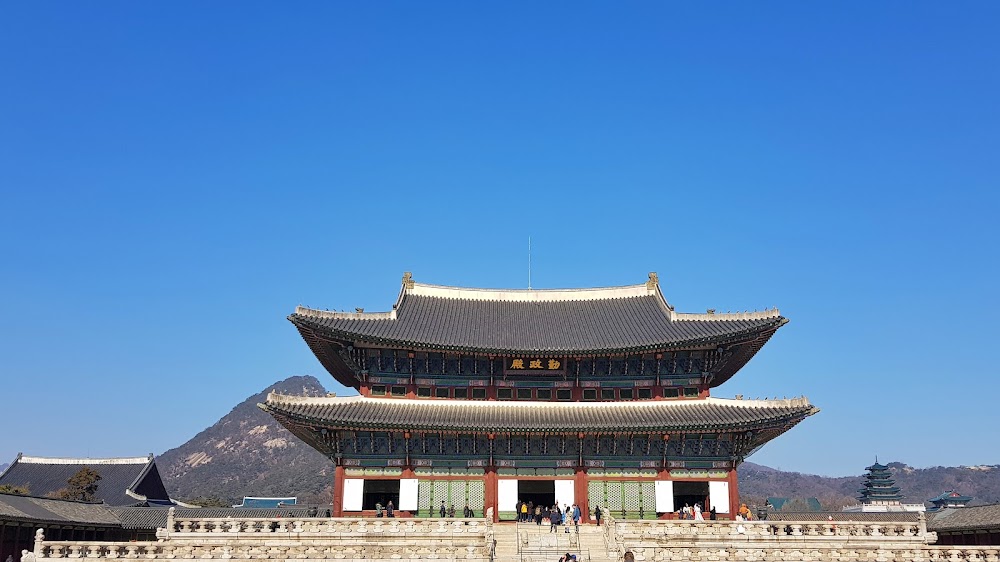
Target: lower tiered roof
point(365, 413)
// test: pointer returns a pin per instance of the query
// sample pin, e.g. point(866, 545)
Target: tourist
point(451, 510)
point(378, 509)
point(555, 519)
point(523, 512)
point(517, 510)
point(390, 510)
point(744, 512)
point(531, 510)
point(712, 515)
point(576, 517)
point(443, 510)
point(698, 515)
point(313, 511)
point(597, 515)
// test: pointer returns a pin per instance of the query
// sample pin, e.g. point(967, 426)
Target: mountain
point(917, 484)
point(247, 453)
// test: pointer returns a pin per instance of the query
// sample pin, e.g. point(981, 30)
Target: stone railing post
point(39, 537)
point(170, 520)
point(922, 524)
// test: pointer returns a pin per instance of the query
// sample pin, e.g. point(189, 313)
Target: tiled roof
point(561, 321)
point(250, 501)
point(965, 518)
point(156, 517)
point(124, 481)
point(33, 509)
point(469, 415)
point(860, 517)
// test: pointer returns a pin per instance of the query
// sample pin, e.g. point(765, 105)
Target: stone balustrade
point(181, 528)
point(291, 540)
point(743, 553)
point(782, 531)
point(784, 541)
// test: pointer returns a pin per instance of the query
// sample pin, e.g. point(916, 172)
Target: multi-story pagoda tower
point(879, 487)
point(482, 397)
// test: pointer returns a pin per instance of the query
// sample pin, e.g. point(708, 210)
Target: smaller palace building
point(483, 397)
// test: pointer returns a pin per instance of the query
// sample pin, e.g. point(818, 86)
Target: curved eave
point(779, 421)
point(304, 323)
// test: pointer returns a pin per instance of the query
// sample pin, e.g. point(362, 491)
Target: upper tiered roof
point(628, 319)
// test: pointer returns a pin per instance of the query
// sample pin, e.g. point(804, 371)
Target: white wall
point(354, 490)
point(407, 494)
point(718, 497)
point(507, 495)
point(664, 496)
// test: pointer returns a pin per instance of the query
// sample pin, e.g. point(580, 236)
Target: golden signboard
point(516, 365)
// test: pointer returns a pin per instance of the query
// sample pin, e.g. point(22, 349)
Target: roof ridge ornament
point(407, 280)
point(654, 281)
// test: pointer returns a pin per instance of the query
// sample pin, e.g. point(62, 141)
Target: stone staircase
point(527, 542)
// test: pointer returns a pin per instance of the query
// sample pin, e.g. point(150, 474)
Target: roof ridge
point(754, 315)
point(530, 295)
point(84, 460)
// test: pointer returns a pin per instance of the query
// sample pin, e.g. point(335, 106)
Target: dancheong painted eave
point(628, 319)
point(388, 414)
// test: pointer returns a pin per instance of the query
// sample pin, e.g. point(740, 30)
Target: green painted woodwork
point(631, 499)
point(458, 493)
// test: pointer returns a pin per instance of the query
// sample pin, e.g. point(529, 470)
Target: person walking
point(597, 515)
point(443, 510)
point(554, 519)
point(524, 513)
point(390, 510)
point(576, 517)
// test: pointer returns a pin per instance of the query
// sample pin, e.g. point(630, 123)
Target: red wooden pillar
point(338, 491)
point(490, 493)
point(734, 494)
point(580, 491)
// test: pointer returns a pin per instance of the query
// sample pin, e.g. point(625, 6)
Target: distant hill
point(247, 453)
point(917, 484)
point(4, 466)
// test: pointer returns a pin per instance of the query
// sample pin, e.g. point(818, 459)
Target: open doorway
point(380, 491)
point(690, 493)
point(538, 492)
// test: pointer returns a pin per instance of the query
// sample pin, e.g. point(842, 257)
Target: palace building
point(482, 397)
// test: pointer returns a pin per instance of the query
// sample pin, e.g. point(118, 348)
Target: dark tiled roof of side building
point(558, 321)
point(978, 517)
point(41, 510)
point(469, 415)
point(859, 517)
point(156, 517)
point(124, 481)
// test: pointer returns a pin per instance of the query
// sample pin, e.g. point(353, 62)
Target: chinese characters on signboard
point(513, 365)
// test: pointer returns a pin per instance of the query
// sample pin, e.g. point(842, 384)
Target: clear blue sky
point(176, 177)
